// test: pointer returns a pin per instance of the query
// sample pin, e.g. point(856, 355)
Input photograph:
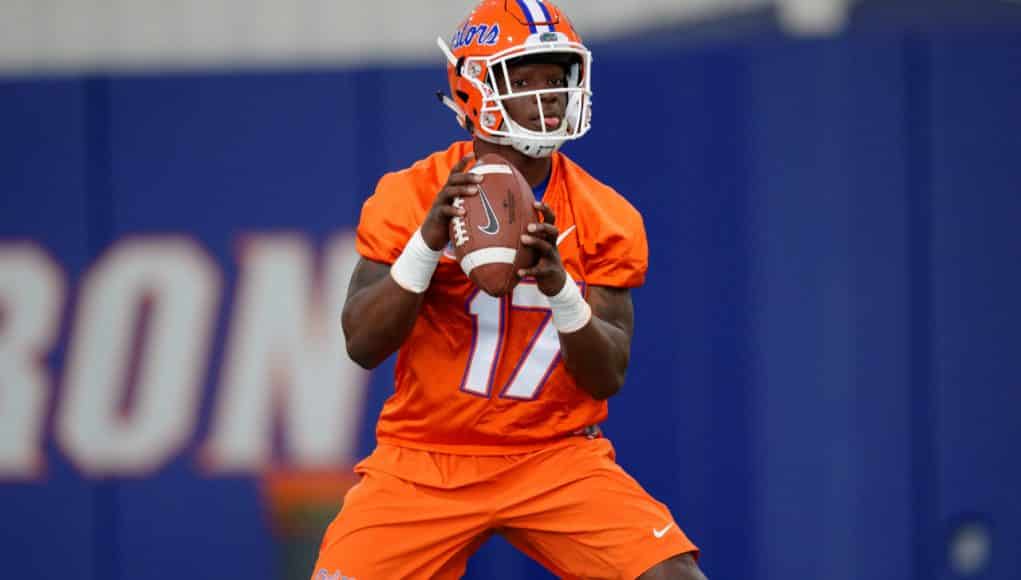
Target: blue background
point(825, 373)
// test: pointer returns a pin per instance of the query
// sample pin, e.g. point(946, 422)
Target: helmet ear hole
point(463, 96)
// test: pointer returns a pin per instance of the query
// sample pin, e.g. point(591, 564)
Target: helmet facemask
point(490, 76)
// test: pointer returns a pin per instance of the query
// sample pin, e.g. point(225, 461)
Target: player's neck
point(535, 170)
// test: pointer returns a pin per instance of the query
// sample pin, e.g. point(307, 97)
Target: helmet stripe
point(545, 12)
point(535, 11)
point(528, 14)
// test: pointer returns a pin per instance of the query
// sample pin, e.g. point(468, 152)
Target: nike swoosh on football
point(661, 533)
point(493, 224)
point(563, 235)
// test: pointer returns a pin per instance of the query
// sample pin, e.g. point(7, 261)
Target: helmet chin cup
point(536, 149)
point(536, 146)
point(496, 125)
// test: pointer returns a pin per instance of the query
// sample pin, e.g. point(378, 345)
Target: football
point(487, 239)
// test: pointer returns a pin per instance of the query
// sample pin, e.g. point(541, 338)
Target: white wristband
point(570, 311)
point(414, 268)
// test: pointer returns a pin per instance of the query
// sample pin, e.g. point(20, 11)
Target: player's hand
point(436, 227)
point(549, 271)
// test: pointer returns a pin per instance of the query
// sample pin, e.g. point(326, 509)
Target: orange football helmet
point(496, 33)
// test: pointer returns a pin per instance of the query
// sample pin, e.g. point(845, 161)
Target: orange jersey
point(483, 375)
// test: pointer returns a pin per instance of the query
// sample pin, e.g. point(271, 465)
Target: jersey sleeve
point(616, 251)
point(388, 219)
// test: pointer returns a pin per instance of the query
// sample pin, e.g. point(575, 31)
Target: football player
point(493, 425)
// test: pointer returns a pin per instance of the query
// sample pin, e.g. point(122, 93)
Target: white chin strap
point(536, 148)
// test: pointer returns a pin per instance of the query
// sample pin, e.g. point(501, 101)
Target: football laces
point(460, 228)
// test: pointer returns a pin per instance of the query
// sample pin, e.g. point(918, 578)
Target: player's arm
point(597, 355)
point(383, 300)
point(378, 314)
point(595, 336)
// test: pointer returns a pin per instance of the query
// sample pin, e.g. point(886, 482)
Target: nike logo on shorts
point(662, 532)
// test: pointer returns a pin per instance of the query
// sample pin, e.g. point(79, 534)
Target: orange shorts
point(421, 514)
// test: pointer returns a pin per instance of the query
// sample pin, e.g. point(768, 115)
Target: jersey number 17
point(539, 358)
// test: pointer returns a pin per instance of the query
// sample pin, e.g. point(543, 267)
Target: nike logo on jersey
point(563, 235)
point(662, 532)
point(448, 251)
point(493, 225)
